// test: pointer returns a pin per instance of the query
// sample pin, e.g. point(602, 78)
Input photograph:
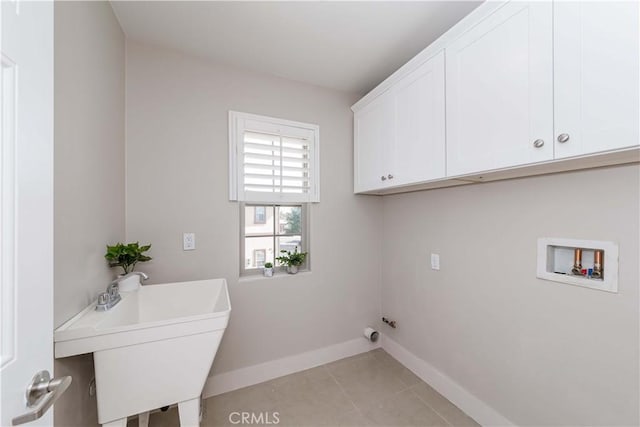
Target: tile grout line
point(393, 394)
point(372, 402)
point(343, 390)
point(430, 407)
point(412, 387)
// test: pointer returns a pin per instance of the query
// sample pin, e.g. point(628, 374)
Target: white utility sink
point(154, 348)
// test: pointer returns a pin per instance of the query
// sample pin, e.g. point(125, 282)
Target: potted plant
point(126, 257)
point(268, 269)
point(292, 260)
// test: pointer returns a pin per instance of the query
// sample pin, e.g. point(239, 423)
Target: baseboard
point(255, 374)
point(470, 404)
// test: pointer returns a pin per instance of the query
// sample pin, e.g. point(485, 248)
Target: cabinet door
point(373, 141)
point(596, 76)
point(499, 90)
point(420, 125)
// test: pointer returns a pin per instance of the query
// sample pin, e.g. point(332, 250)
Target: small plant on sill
point(268, 269)
point(292, 260)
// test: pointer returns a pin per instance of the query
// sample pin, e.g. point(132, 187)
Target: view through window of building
point(259, 214)
point(268, 230)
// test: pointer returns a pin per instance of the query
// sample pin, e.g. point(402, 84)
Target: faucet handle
point(103, 301)
point(103, 298)
point(113, 291)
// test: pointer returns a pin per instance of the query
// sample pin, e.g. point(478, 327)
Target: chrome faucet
point(133, 273)
point(107, 300)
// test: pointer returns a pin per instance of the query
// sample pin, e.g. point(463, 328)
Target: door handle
point(41, 394)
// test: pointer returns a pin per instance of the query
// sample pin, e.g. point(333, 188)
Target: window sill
point(278, 275)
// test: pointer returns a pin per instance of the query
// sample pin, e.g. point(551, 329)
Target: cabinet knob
point(563, 137)
point(538, 143)
point(390, 176)
point(383, 178)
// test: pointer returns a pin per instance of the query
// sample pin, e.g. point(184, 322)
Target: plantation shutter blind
point(274, 160)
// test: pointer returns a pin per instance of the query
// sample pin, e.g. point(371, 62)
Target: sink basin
point(155, 348)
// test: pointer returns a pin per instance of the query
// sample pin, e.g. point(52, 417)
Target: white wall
point(89, 175)
point(177, 181)
point(538, 352)
point(89, 150)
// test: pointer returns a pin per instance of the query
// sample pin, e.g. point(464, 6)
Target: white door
point(420, 124)
point(373, 137)
point(499, 80)
point(596, 76)
point(27, 204)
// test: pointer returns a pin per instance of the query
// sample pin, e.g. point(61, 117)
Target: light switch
point(188, 241)
point(435, 261)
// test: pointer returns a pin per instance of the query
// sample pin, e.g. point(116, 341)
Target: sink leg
point(189, 412)
point(122, 422)
point(143, 419)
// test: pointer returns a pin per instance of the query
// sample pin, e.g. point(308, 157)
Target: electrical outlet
point(435, 261)
point(189, 241)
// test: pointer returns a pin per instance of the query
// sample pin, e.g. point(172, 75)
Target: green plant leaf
point(126, 256)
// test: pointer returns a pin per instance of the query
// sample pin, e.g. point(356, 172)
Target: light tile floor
point(369, 389)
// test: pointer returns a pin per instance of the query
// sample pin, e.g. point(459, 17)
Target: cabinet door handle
point(538, 143)
point(563, 137)
point(383, 178)
point(390, 176)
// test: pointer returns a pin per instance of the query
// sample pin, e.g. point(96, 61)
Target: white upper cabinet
point(420, 124)
point(374, 132)
point(516, 88)
point(400, 136)
point(500, 90)
point(596, 73)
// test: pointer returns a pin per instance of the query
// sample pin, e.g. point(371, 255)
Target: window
point(284, 228)
point(272, 160)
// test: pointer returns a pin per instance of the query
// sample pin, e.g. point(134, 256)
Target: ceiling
point(348, 46)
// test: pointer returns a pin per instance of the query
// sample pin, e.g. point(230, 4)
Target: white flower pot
point(268, 272)
point(131, 283)
point(292, 269)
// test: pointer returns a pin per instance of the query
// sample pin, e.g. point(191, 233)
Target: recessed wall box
point(557, 259)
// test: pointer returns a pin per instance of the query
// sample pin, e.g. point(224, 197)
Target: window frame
point(238, 123)
point(304, 233)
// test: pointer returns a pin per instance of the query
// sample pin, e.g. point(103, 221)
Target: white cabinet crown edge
point(465, 24)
